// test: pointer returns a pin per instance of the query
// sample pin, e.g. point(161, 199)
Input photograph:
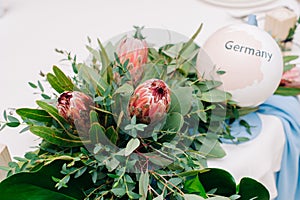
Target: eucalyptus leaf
point(132, 145)
point(184, 96)
point(192, 197)
point(215, 96)
point(143, 185)
point(174, 122)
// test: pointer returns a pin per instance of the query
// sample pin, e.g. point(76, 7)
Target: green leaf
point(219, 179)
point(106, 67)
point(31, 192)
point(93, 79)
point(184, 96)
point(192, 185)
point(53, 112)
point(56, 137)
point(174, 122)
point(132, 145)
point(251, 189)
point(191, 40)
point(41, 86)
point(285, 91)
point(112, 134)
point(125, 88)
point(80, 172)
point(133, 195)
point(55, 83)
point(12, 124)
point(288, 67)
point(39, 185)
point(63, 80)
point(119, 192)
point(97, 134)
point(287, 59)
point(215, 96)
point(35, 114)
point(32, 85)
point(192, 197)
point(143, 185)
point(211, 146)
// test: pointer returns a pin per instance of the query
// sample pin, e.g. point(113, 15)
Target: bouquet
point(135, 121)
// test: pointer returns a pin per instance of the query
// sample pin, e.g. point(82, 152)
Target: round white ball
point(251, 59)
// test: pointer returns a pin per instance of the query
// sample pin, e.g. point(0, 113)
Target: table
point(31, 30)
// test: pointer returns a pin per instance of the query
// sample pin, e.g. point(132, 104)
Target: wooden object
point(279, 21)
point(4, 159)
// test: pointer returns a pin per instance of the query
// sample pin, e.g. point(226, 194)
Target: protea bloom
point(136, 51)
point(75, 108)
point(291, 78)
point(150, 101)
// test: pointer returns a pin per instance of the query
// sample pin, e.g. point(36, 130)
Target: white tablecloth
point(31, 30)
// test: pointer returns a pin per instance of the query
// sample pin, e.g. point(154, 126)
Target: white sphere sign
point(251, 60)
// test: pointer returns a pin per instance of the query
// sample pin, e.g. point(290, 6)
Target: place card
point(4, 159)
point(279, 21)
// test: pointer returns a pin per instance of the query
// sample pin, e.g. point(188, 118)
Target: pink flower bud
point(150, 101)
point(136, 51)
point(75, 108)
point(291, 78)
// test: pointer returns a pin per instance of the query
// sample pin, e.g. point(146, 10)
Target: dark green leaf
point(32, 85)
point(45, 96)
point(251, 189)
point(35, 114)
point(214, 178)
point(40, 186)
point(5, 115)
point(112, 134)
point(12, 124)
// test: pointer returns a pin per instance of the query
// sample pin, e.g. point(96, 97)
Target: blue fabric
point(288, 110)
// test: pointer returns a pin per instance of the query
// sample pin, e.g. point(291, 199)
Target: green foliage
point(170, 156)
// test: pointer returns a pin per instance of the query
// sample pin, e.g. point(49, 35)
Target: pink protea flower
point(291, 78)
point(75, 108)
point(136, 51)
point(150, 101)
